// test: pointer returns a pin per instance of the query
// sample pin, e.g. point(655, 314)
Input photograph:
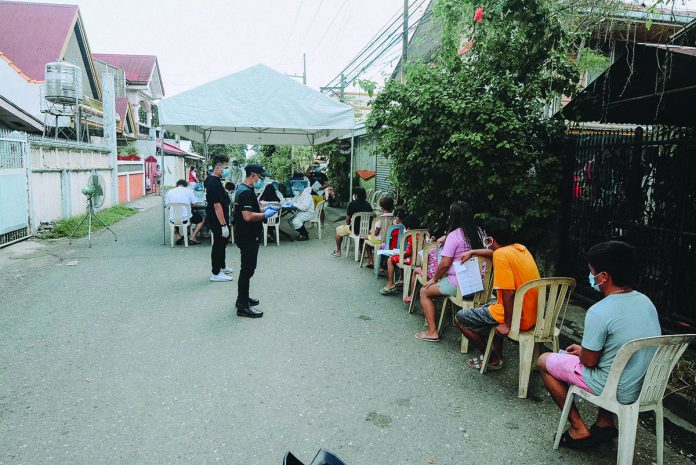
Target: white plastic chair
point(362, 232)
point(274, 222)
point(553, 295)
point(421, 279)
point(179, 211)
point(668, 350)
point(417, 243)
point(477, 300)
point(317, 216)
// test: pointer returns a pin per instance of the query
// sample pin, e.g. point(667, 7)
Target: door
point(14, 192)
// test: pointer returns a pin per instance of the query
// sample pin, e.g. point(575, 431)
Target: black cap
point(256, 169)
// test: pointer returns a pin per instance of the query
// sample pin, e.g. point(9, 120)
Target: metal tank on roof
point(63, 83)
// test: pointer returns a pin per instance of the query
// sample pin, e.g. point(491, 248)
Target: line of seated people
point(624, 314)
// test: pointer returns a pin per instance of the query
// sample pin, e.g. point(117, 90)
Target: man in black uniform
point(248, 233)
point(218, 217)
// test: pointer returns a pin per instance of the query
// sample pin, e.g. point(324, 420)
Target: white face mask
point(355, 197)
point(487, 241)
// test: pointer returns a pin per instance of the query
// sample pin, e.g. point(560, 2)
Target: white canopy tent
point(255, 106)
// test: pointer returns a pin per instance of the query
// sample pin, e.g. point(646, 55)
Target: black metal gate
point(639, 186)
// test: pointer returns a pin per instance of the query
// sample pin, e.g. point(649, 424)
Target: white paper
point(469, 276)
point(316, 186)
point(389, 253)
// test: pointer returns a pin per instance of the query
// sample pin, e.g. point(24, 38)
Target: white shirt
point(304, 201)
point(180, 195)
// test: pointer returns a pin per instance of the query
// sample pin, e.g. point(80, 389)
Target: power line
point(311, 23)
point(390, 23)
point(379, 37)
point(292, 28)
point(345, 2)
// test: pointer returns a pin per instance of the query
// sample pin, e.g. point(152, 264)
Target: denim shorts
point(446, 287)
point(478, 320)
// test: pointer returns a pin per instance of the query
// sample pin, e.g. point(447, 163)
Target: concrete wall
point(58, 173)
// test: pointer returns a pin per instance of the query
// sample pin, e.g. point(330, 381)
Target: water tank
point(63, 83)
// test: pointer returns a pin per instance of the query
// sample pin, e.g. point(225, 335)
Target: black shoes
point(303, 238)
point(253, 302)
point(249, 312)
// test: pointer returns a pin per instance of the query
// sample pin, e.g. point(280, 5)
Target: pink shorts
point(567, 368)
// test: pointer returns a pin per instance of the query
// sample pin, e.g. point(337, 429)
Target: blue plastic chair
point(378, 260)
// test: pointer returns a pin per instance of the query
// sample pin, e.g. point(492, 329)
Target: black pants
point(217, 252)
point(249, 251)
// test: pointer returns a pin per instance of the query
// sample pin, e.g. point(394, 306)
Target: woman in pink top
point(461, 236)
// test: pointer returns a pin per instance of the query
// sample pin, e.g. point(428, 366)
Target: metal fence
point(639, 186)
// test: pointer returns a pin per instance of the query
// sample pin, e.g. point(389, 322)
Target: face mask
point(593, 283)
point(225, 173)
point(355, 197)
point(258, 184)
point(487, 241)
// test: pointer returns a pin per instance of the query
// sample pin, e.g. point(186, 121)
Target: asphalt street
point(125, 353)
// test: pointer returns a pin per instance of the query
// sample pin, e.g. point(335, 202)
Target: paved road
point(131, 356)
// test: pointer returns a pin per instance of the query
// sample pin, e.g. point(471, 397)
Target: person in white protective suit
point(305, 212)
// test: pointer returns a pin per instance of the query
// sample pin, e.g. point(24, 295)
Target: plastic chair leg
point(442, 316)
point(464, 348)
point(357, 244)
point(526, 357)
point(564, 417)
point(555, 344)
point(319, 228)
point(265, 234)
point(171, 233)
point(407, 281)
point(660, 432)
point(277, 233)
point(628, 423)
point(487, 353)
point(185, 234)
point(413, 296)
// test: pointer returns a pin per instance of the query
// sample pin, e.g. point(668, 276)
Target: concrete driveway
point(125, 353)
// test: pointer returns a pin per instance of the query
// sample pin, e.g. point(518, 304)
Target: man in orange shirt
point(513, 266)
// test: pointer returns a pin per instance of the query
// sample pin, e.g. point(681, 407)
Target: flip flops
point(334, 254)
point(603, 434)
point(423, 337)
point(388, 290)
point(476, 363)
point(193, 242)
point(569, 442)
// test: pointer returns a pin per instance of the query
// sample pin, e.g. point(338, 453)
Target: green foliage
point(338, 168)
point(128, 149)
point(283, 160)
point(590, 61)
point(367, 85)
point(474, 128)
point(234, 152)
point(64, 227)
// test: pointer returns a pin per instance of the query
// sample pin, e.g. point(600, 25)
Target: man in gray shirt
point(621, 316)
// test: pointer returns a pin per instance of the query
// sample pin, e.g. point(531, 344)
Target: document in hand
point(469, 276)
point(388, 252)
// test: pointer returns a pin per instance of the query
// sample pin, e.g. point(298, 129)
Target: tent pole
point(350, 175)
point(164, 209)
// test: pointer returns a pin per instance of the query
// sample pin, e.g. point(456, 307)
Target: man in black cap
point(248, 233)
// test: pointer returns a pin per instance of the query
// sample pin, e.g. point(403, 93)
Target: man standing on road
point(218, 217)
point(248, 233)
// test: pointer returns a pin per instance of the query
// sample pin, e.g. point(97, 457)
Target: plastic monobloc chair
point(417, 241)
point(317, 216)
point(668, 350)
point(364, 230)
point(421, 279)
point(179, 211)
point(272, 222)
point(553, 295)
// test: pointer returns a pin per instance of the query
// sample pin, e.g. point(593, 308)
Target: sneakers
point(227, 270)
point(220, 277)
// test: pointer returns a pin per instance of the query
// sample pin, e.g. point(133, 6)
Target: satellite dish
point(94, 191)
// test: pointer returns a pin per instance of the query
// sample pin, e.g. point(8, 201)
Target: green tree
point(475, 127)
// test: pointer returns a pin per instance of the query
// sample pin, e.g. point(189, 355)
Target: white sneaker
point(227, 270)
point(220, 277)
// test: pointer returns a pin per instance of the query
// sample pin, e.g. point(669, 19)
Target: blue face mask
point(225, 173)
point(593, 284)
point(258, 184)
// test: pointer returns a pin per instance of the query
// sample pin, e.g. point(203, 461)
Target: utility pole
point(342, 90)
point(304, 69)
point(404, 50)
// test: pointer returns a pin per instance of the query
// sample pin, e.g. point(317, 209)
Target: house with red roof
point(34, 34)
point(143, 83)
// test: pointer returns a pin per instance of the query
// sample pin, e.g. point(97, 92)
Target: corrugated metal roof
point(33, 34)
point(138, 68)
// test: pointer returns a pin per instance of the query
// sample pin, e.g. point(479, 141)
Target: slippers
point(423, 337)
point(334, 254)
point(388, 290)
point(193, 242)
point(399, 284)
point(569, 442)
point(407, 299)
point(370, 266)
point(179, 241)
point(476, 363)
point(603, 434)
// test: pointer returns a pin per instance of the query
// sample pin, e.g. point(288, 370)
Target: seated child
point(410, 222)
